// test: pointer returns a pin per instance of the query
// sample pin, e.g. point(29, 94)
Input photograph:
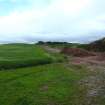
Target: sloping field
point(52, 84)
point(22, 55)
point(76, 81)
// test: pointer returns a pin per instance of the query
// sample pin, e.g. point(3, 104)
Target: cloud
point(68, 20)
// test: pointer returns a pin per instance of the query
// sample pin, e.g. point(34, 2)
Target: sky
point(51, 20)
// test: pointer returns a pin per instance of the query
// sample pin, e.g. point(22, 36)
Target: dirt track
point(51, 50)
point(90, 60)
point(94, 84)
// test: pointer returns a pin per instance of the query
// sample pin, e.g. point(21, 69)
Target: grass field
point(51, 84)
point(33, 75)
point(22, 55)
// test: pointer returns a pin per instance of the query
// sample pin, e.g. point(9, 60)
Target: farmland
point(23, 55)
point(42, 85)
point(40, 75)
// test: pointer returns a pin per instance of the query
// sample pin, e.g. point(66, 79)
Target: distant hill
point(98, 45)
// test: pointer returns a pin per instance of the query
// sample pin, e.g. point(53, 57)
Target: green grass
point(51, 84)
point(22, 55)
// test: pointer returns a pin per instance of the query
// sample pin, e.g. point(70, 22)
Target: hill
point(64, 83)
point(24, 55)
point(51, 84)
point(98, 46)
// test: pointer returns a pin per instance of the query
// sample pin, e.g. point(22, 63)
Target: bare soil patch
point(94, 84)
point(51, 50)
point(77, 52)
point(81, 56)
point(98, 59)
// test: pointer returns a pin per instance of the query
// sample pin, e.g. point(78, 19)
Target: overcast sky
point(55, 20)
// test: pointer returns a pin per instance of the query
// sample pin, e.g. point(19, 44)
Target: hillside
point(24, 55)
point(98, 46)
point(78, 80)
point(51, 84)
